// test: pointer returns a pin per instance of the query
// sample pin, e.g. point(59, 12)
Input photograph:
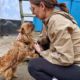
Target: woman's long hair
point(51, 4)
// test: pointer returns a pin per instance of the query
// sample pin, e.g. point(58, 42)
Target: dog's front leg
point(8, 74)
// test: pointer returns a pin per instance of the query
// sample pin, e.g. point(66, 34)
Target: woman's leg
point(41, 69)
point(35, 69)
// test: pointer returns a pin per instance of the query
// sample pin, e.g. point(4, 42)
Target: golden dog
point(21, 49)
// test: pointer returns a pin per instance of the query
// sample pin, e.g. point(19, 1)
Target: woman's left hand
point(37, 47)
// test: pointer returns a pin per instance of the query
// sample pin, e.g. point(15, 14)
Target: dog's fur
point(21, 49)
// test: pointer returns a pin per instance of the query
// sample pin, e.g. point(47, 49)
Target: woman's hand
point(38, 47)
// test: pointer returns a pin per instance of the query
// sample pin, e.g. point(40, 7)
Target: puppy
point(26, 36)
point(21, 49)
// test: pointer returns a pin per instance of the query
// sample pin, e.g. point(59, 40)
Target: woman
point(62, 57)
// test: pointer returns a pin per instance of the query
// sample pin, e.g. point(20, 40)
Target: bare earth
point(22, 71)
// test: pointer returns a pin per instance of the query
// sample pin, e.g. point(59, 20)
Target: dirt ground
point(22, 72)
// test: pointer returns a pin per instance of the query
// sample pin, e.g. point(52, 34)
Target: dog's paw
point(15, 76)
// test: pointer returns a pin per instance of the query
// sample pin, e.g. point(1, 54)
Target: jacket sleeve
point(61, 46)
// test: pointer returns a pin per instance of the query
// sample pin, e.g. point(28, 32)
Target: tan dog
point(22, 49)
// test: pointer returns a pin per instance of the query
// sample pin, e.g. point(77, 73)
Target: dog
point(21, 49)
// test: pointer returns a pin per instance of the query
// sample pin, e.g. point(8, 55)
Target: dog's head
point(26, 31)
point(26, 28)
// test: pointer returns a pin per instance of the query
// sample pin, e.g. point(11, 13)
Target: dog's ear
point(21, 30)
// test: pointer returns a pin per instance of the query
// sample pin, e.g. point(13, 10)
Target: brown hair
point(50, 4)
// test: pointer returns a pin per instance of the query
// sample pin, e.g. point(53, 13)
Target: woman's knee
point(35, 64)
point(32, 65)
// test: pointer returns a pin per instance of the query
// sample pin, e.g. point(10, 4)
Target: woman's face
point(39, 11)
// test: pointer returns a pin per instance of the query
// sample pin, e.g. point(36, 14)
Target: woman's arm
point(61, 46)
